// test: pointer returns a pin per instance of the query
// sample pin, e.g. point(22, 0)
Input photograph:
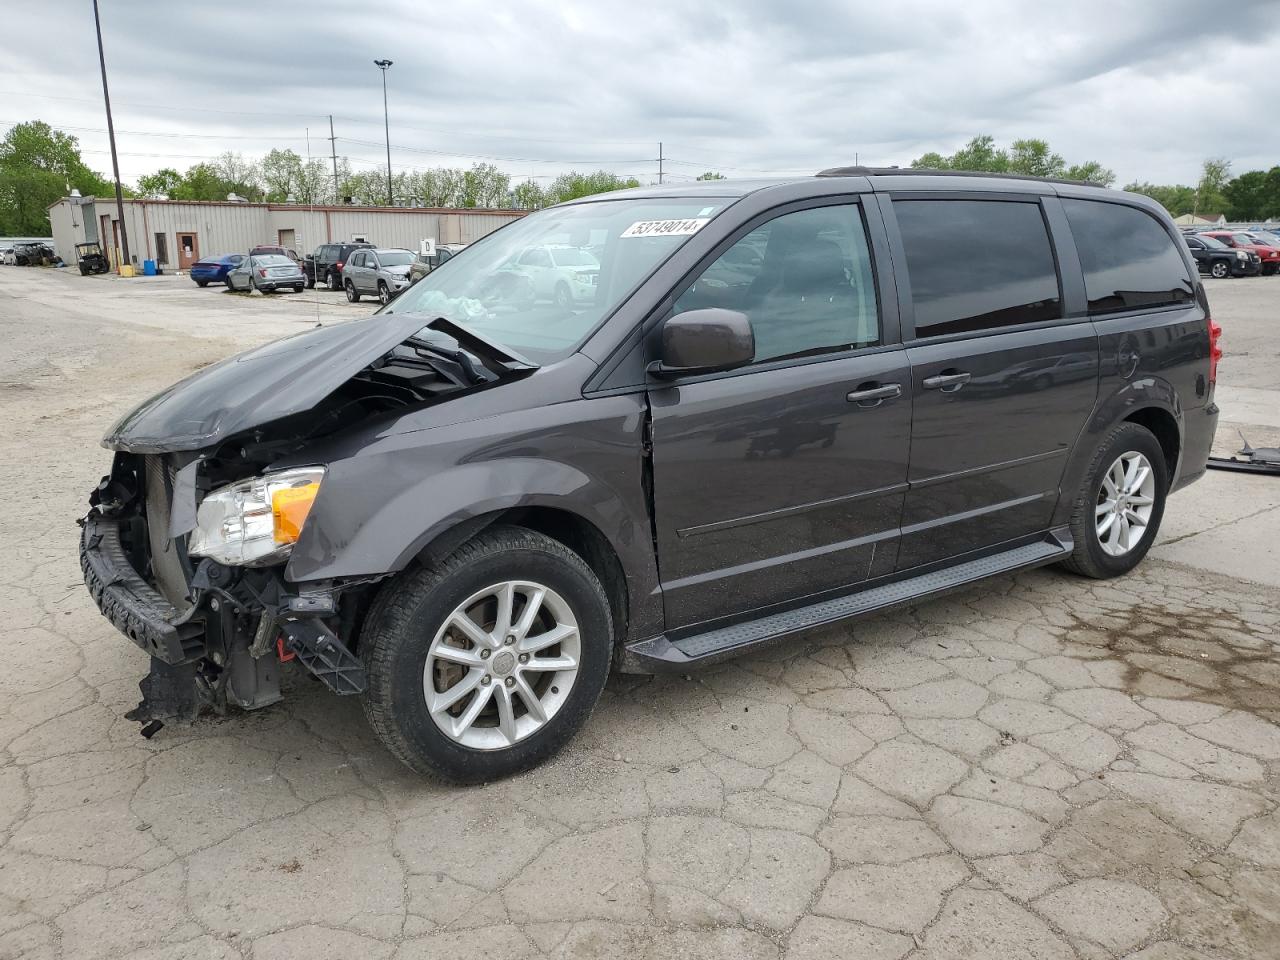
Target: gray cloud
point(754, 86)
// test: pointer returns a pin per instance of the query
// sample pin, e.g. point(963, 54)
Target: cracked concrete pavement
point(1043, 766)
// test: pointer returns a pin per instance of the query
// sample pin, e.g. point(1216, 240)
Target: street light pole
point(111, 136)
point(383, 65)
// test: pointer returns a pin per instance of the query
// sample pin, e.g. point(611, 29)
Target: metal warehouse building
point(176, 233)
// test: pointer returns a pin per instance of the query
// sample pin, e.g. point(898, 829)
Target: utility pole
point(333, 152)
point(659, 161)
point(111, 136)
point(383, 65)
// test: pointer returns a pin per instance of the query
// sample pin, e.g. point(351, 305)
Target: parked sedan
point(215, 269)
point(380, 273)
point(267, 273)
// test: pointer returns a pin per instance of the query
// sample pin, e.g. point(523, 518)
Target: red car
point(1269, 256)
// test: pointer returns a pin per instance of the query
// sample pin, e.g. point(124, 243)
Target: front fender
point(384, 501)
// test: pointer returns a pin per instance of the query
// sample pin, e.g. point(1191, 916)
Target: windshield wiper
point(490, 352)
point(454, 363)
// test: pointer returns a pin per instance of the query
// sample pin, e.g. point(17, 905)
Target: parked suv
point(422, 265)
point(380, 273)
point(1215, 258)
point(1268, 257)
point(787, 405)
point(325, 265)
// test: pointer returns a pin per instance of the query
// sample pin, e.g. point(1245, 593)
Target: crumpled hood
point(267, 383)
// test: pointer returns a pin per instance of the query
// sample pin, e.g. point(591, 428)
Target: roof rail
point(926, 172)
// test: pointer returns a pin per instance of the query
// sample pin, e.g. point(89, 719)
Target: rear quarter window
point(1130, 261)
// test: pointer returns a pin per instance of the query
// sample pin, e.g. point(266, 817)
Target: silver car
point(380, 273)
point(267, 272)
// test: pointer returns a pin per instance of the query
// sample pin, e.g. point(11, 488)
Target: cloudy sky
point(746, 87)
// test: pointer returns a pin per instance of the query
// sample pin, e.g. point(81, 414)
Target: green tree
point(1034, 158)
point(243, 177)
point(982, 154)
point(1210, 196)
point(711, 175)
point(484, 185)
point(572, 185)
point(202, 181)
point(1092, 172)
point(38, 165)
point(1177, 199)
point(161, 184)
point(932, 161)
point(528, 196)
point(1254, 195)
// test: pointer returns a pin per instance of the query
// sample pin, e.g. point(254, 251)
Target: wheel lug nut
point(485, 680)
point(511, 681)
point(484, 654)
point(524, 658)
point(511, 638)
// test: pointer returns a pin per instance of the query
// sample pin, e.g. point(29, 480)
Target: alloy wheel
point(502, 665)
point(1125, 503)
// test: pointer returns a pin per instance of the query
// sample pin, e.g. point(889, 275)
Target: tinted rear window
point(1129, 259)
point(977, 264)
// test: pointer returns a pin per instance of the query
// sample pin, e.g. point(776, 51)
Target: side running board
point(662, 653)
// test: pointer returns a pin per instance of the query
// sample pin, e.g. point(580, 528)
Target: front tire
point(353, 295)
point(1269, 270)
point(384, 293)
point(563, 296)
point(486, 663)
point(1118, 509)
point(1220, 269)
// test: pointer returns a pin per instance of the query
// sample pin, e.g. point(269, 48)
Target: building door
point(287, 239)
point(188, 250)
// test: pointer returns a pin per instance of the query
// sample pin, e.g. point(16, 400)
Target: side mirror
point(704, 341)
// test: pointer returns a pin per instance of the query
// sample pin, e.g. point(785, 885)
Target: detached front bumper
point(132, 605)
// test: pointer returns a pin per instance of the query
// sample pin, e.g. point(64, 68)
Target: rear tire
point(1097, 552)
point(311, 280)
point(466, 742)
point(297, 288)
point(202, 283)
point(331, 279)
point(353, 295)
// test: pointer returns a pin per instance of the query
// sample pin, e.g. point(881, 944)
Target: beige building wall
point(156, 226)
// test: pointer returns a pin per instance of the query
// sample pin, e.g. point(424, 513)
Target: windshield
point(1213, 243)
point(510, 287)
point(395, 258)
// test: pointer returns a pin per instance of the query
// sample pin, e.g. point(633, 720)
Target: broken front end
point(201, 589)
point(186, 543)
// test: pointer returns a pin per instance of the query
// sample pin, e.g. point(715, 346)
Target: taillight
point(1215, 351)
point(338, 265)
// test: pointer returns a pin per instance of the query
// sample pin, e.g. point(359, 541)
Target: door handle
point(871, 396)
point(947, 382)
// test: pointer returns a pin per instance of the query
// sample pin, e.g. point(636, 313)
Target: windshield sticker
point(666, 228)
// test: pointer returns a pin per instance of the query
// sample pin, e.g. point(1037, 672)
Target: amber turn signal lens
point(289, 509)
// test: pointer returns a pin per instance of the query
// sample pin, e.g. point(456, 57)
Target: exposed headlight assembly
point(255, 522)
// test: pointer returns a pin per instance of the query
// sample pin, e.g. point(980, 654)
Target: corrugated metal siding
point(222, 228)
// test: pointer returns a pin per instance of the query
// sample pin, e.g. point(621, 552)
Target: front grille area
point(167, 570)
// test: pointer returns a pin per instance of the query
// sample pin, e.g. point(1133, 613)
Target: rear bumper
point(1197, 440)
point(132, 605)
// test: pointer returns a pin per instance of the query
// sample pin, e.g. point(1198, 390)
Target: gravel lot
point(1044, 767)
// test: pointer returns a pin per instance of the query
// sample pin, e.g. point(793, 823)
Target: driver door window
point(803, 278)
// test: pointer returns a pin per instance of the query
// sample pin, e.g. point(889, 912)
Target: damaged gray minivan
point(765, 407)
